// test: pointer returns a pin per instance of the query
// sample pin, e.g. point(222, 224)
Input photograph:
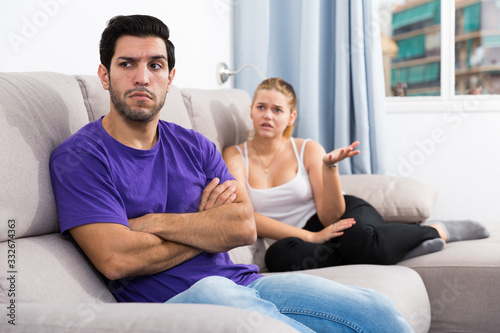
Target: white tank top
point(291, 203)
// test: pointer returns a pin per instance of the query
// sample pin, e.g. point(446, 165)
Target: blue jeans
point(306, 302)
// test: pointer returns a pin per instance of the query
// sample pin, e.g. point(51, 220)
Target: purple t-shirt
point(97, 179)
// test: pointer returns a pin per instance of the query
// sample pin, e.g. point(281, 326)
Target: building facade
point(416, 33)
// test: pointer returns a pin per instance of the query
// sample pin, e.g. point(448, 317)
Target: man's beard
point(136, 114)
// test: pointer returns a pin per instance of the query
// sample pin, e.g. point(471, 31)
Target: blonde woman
point(295, 188)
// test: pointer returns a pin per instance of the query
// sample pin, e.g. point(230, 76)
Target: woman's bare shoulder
point(230, 151)
point(311, 145)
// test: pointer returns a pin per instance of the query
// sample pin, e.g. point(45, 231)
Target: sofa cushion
point(463, 283)
point(53, 269)
point(97, 102)
point(96, 99)
point(397, 199)
point(222, 115)
point(38, 111)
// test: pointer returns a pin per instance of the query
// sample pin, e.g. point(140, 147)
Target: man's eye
point(156, 66)
point(260, 107)
point(277, 110)
point(125, 64)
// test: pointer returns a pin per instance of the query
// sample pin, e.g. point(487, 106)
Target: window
point(477, 47)
point(412, 36)
point(441, 52)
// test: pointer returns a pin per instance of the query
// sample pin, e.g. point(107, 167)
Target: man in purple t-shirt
point(131, 169)
point(154, 208)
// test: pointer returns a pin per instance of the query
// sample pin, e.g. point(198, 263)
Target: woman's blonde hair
point(286, 89)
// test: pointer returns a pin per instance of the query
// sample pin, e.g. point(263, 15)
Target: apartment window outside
point(412, 39)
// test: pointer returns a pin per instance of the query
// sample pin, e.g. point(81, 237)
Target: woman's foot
point(426, 247)
point(441, 230)
point(453, 231)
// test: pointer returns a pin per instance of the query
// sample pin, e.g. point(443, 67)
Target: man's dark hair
point(137, 26)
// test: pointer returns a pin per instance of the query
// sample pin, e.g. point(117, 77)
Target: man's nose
point(141, 76)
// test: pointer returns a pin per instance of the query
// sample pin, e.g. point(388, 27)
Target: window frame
point(447, 101)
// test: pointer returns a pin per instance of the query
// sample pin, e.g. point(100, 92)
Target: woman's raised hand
point(340, 154)
point(333, 230)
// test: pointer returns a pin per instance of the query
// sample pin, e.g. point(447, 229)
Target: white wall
point(63, 35)
point(458, 154)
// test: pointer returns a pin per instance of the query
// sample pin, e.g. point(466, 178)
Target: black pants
point(369, 241)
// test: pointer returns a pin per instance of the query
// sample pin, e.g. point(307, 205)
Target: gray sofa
point(48, 285)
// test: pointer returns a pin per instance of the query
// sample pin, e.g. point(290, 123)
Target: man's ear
point(103, 74)
point(170, 78)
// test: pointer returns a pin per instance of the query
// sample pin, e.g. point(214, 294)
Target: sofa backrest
point(222, 115)
point(38, 111)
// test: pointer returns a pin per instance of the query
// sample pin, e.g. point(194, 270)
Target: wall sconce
point(223, 72)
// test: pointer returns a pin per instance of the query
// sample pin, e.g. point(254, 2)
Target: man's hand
point(224, 221)
point(216, 194)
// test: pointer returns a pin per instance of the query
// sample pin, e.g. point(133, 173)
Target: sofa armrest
point(139, 317)
point(397, 199)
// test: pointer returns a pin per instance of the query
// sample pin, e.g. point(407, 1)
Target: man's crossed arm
point(157, 242)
